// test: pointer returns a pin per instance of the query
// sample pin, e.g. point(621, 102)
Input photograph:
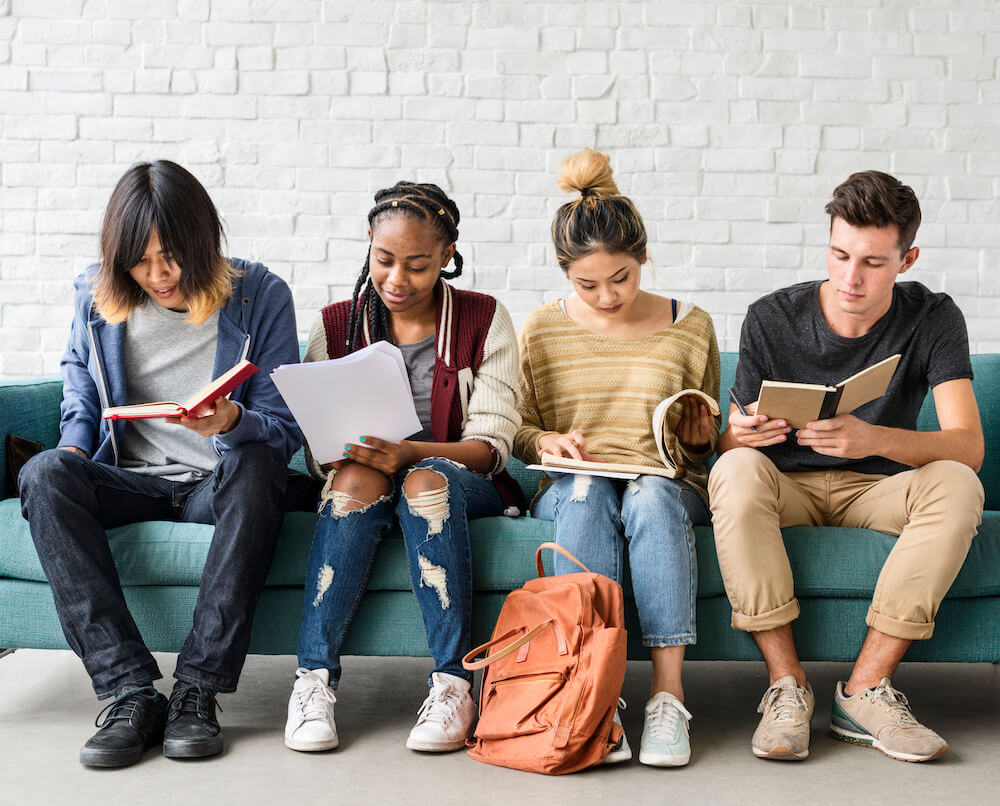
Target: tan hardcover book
point(671, 466)
point(802, 403)
point(205, 396)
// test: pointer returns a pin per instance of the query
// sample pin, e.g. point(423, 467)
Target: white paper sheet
point(336, 402)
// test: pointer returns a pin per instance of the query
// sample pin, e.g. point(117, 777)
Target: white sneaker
point(665, 739)
point(621, 752)
point(446, 717)
point(310, 724)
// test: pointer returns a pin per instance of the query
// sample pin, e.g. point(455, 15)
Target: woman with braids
point(593, 368)
point(460, 352)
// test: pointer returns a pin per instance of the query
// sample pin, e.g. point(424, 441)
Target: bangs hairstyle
point(163, 195)
point(876, 199)
point(601, 219)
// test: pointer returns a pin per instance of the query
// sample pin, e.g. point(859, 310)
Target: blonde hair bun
point(589, 173)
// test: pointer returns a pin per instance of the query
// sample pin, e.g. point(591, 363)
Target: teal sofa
point(160, 565)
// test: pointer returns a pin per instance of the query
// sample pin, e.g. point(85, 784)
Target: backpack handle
point(470, 665)
point(561, 550)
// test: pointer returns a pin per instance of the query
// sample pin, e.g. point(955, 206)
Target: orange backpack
point(548, 698)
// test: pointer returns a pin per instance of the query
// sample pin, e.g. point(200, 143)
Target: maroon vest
point(463, 320)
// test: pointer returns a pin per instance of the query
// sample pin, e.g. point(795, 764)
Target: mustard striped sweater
point(607, 388)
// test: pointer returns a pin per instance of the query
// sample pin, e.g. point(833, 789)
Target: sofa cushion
point(826, 561)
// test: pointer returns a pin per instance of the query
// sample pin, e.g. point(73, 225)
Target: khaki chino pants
point(935, 510)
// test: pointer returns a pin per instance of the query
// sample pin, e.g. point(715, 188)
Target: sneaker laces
point(663, 717)
point(441, 704)
point(783, 700)
point(192, 699)
point(312, 698)
point(125, 705)
point(895, 702)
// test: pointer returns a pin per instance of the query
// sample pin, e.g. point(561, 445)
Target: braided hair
point(416, 200)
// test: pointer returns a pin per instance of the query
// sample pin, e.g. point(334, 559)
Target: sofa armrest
point(29, 407)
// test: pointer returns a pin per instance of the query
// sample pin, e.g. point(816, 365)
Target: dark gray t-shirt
point(786, 338)
point(419, 360)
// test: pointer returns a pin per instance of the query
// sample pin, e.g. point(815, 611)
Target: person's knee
point(426, 492)
point(356, 487)
point(45, 470)
point(738, 464)
point(951, 488)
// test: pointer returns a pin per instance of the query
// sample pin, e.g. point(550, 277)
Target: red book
point(205, 396)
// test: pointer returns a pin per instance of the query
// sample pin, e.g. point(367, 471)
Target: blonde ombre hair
point(600, 218)
point(163, 195)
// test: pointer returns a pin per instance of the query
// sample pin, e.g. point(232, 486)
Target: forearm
point(473, 453)
point(918, 448)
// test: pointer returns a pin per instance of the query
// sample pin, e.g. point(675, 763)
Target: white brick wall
point(728, 122)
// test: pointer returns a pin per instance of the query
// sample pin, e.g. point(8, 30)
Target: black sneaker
point(192, 730)
point(133, 722)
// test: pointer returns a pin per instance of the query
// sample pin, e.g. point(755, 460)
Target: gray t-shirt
point(786, 338)
point(419, 360)
point(167, 359)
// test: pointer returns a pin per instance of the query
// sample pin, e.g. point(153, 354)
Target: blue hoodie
point(257, 323)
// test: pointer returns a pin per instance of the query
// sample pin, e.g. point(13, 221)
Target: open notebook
point(625, 470)
point(208, 394)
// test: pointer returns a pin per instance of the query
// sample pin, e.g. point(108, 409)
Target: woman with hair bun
point(460, 352)
point(593, 368)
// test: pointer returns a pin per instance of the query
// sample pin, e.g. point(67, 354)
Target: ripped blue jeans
point(438, 554)
point(595, 517)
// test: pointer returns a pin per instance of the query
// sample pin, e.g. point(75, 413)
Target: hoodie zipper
point(102, 388)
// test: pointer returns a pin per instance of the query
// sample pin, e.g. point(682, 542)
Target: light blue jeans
point(595, 517)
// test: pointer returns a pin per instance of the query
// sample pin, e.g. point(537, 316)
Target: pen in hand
point(740, 406)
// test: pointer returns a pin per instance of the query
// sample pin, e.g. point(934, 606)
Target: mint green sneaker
point(665, 741)
point(621, 752)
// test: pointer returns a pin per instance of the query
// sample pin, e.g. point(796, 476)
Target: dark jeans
point(69, 501)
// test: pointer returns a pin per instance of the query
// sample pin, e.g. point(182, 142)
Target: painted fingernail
point(344, 456)
point(364, 439)
point(347, 447)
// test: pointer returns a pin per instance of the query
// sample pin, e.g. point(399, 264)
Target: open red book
point(205, 396)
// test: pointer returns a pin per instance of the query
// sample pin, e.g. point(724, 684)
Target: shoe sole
point(619, 756)
point(186, 748)
point(435, 747)
point(111, 758)
point(663, 760)
point(311, 747)
point(869, 741)
point(780, 753)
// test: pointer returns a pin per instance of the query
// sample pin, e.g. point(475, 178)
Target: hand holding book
point(572, 445)
point(699, 411)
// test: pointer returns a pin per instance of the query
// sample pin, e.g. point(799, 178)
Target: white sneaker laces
point(783, 700)
point(312, 698)
point(663, 718)
point(440, 706)
point(895, 702)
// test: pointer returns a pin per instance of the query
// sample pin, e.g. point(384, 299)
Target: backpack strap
point(561, 550)
point(469, 664)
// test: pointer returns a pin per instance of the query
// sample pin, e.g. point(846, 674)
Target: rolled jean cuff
point(778, 617)
point(141, 674)
point(907, 630)
point(217, 684)
point(653, 642)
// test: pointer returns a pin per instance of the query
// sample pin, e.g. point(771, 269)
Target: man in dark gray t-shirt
point(868, 469)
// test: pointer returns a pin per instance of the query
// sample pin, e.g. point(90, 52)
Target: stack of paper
point(336, 402)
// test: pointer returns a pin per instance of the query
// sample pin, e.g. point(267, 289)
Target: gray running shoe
point(880, 717)
point(783, 732)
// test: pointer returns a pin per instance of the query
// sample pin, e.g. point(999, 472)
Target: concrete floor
point(47, 710)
